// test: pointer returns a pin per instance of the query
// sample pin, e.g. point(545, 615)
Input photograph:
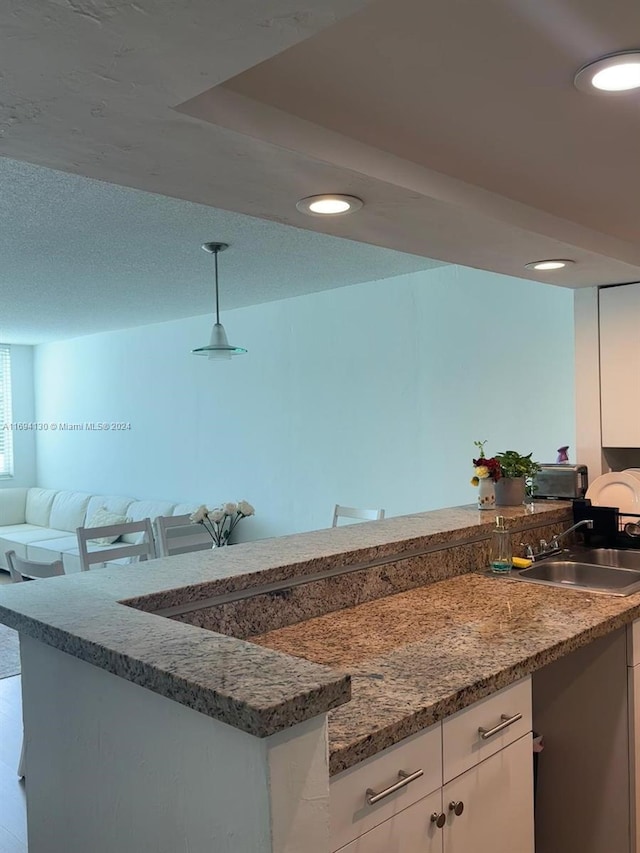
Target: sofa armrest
point(13, 504)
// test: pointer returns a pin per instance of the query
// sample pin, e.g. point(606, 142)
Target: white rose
point(216, 515)
point(230, 508)
point(245, 508)
point(199, 515)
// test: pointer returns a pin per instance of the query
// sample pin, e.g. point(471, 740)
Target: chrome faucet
point(553, 547)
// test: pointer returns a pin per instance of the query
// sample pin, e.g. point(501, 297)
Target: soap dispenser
point(501, 554)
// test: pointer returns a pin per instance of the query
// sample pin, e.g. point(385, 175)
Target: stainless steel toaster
point(561, 481)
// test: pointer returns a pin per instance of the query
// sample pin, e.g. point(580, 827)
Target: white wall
point(23, 411)
point(587, 380)
point(370, 395)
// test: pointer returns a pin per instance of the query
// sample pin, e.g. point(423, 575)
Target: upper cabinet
point(620, 365)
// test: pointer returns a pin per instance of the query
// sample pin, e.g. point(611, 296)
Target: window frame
point(6, 417)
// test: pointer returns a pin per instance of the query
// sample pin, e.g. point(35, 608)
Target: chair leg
point(21, 762)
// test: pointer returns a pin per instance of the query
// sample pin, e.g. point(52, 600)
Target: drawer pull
point(403, 780)
point(439, 819)
point(457, 807)
point(506, 722)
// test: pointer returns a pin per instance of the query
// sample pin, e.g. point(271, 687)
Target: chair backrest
point(352, 512)
point(30, 570)
point(176, 534)
point(143, 550)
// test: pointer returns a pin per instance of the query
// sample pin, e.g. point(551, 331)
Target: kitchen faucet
point(553, 547)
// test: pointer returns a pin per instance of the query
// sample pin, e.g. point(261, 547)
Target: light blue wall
point(370, 395)
point(24, 441)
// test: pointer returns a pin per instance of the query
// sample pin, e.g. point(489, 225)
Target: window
point(6, 434)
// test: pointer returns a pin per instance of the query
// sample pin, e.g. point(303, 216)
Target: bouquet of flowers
point(221, 521)
point(484, 466)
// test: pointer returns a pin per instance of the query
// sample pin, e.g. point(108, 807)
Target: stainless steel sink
point(608, 571)
point(618, 558)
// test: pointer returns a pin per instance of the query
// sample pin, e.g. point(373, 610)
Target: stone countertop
point(105, 617)
point(419, 656)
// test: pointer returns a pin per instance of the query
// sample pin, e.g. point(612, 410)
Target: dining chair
point(177, 534)
point(352, 512)
point(30, 570)
point(91, 552)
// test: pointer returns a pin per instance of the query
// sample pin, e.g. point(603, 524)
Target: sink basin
point(589, 577)
point(618, 558)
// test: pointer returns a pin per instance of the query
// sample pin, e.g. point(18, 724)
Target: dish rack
point(608, 526)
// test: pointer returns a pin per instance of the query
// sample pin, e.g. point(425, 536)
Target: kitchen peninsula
point(186, 704)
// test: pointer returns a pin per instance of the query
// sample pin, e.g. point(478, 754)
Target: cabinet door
point(409, 831)
point(620, 365)
point(497, 799)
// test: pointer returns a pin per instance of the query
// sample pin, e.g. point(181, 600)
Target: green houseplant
point(517, 472)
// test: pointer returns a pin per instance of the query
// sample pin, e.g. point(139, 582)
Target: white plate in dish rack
point(619, 488)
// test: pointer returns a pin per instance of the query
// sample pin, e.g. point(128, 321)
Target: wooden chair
point(352, 512)
point(143, 550)
point(30, 570)
point(176, 534)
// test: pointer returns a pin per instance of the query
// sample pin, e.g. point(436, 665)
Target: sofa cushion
point(5, 539)
point(68, 510)
point(139, 510)
point(18, 540)
point(101, 518)
point(13, 503)
point(185, 509)
point(114, 503)
point(38, 509)
point(48, 550)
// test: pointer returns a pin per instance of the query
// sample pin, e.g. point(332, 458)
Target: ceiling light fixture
point(616, 73)
point(551, 264)
point(219, 347)
point(329, 205)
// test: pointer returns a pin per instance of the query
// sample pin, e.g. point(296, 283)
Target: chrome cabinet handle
point(457, 807)
point(439, 819)
point(506, 722)
point(404, 779)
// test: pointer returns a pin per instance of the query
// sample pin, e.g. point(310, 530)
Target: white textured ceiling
point(456, 121)
point(81, 256)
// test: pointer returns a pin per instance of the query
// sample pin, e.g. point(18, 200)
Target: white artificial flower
point(245, 508)
point(199, 515)
point(230, 508)
point(216, 515)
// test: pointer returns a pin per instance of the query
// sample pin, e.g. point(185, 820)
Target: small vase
point(510, 491)
point(486, 493)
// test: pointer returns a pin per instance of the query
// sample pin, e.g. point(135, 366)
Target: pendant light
point(219, 347)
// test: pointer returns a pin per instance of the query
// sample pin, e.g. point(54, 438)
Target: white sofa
point(41, 524)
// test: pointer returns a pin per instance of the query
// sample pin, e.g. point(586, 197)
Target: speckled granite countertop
point(100, 617)
point(421, 655)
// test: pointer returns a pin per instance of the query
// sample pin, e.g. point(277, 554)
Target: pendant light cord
point(215, 256)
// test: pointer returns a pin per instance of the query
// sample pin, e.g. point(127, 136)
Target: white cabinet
point(620, 365)
point(504, 717)
point(497, 804)
point(479, 800)
point(352, 813)
point(410, 831)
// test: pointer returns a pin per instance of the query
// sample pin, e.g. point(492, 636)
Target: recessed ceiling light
point(616, 73)
point(551, 264)
point(329, 205)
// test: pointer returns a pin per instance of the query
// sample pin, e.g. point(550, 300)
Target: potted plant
point(516, 470)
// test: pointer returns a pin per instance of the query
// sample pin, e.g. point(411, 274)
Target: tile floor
point(13, 811)
point(13, 814)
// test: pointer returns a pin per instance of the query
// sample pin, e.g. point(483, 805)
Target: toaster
point(561, 481)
